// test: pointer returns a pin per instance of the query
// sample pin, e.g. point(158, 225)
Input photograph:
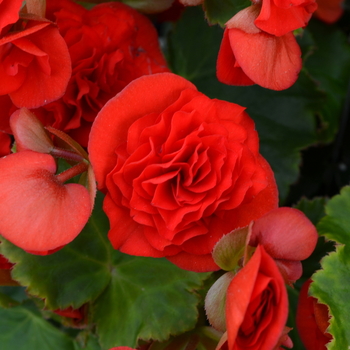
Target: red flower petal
point(177, 171)
point(269, 61)
point(312, 320)
point(9, 12)
point(279, 17)
point(102, 150)
point(38, 213)
point(285, 233)
point(256, 304)
point(228, 71)
point(34, 71)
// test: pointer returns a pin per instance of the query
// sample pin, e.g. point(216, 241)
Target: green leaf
point(221, 11)
point(332, 284)
point(146, 299)
point(131, 297)
point(329, 65)
point(21, 328)
point(284, 119)
point(314, 209)
point(149, 6)
point(336, 225)
point(72, 276)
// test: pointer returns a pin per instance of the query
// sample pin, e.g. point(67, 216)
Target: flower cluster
point(249, 303)
point(259, 46)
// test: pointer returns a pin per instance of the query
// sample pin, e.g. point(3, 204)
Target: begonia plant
point(174, 174)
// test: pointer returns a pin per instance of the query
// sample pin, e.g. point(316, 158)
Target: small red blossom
point(250, 56)
point(38, 212)
point(312, 320)
point(9, 13)
point(288, 236)
point(279, 17)
point(179, 169)
point(33, 71)
point(256, 307)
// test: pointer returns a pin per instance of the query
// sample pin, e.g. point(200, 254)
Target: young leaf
point(221, 11)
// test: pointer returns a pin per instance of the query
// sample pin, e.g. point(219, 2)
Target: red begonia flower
point(37, 211)
point(9, 12)
point(248, 55)
point(312, 320)
point(33, 71)
point(179, 170)
point(329, 11)
point(288, 236)
point(279, 17)
point(256, 306)
point(110, 45)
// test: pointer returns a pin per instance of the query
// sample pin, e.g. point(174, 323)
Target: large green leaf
point(146, 299)
point(332, 284)
point(284, 119)
point(72, 276)
point(130, 297)
point(22, 328)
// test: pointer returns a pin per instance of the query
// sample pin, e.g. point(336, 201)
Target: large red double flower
point(179, 169)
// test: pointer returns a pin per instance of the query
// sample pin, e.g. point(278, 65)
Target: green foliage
point(284, 119)
point(155, 303)
point(219, 12)
point(130, 298)
point(331, 284)
point(22, 327)
point(80, 266)
point(328, 63)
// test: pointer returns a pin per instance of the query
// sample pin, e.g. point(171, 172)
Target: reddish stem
point(66, 154)
point(71, 172)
